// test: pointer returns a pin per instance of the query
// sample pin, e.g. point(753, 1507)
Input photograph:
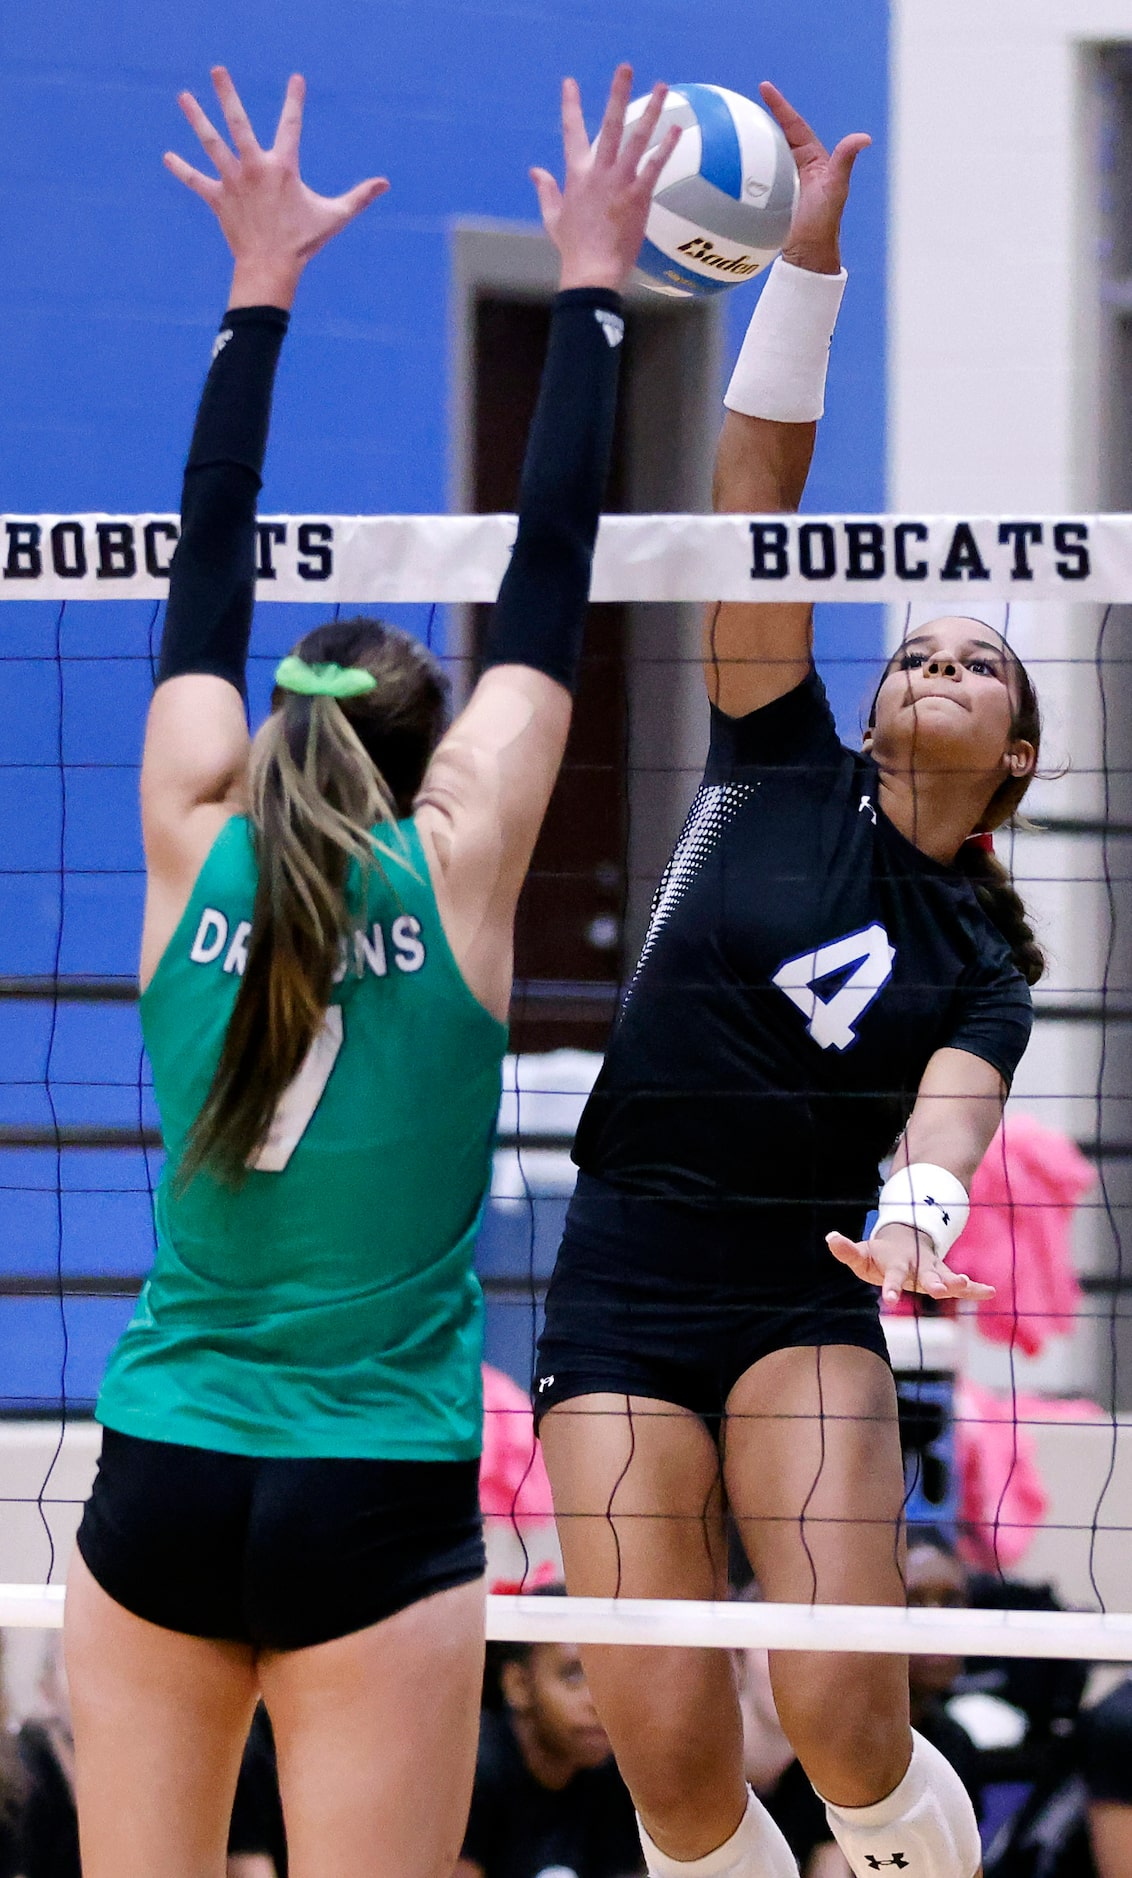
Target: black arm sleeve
point(539, 617)
point(212, 579)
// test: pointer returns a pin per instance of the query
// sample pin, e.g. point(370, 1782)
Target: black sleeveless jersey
point(803, 962)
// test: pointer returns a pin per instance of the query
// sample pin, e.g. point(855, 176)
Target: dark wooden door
point(568, 954)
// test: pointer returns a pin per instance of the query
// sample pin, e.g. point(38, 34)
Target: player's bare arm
point(754, 654)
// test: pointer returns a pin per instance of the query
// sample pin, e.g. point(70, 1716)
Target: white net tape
point(461, 558)
point(694, 1624)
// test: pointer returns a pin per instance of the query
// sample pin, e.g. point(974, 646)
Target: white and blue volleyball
point(722, 204)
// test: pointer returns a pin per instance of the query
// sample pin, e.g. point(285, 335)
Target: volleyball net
point(79, 1141)
point(659, 1623)
point(387, 559)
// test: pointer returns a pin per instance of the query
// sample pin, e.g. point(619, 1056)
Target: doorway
point(639, 731)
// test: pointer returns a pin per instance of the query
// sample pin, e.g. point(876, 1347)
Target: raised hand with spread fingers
point(272, 220)
point(823, 185)
point(597, 219)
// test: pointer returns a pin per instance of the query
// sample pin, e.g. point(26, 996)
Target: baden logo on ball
point(723, 202)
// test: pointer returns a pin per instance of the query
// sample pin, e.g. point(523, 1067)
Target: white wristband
point(780, 371)
point(927, 1197)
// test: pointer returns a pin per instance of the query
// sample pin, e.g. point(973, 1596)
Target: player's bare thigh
point(638, 1500)
point(815, 1484)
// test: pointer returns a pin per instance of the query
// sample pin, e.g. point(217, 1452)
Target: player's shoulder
point(796, 727)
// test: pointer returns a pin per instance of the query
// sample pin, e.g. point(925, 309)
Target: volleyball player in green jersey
point(286, 1500)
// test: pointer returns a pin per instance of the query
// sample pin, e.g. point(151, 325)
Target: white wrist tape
point(780, 371)
point(927, 1197)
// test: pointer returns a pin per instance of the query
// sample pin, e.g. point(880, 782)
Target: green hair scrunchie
point(323, 681)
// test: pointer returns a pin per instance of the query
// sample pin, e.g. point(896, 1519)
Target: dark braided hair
point(1003, 906)
point(994, 888)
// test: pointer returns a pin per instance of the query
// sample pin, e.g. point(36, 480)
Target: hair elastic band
point(323, 681)
point(982, 838)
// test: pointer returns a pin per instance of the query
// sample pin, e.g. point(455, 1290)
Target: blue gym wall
point(112, 278)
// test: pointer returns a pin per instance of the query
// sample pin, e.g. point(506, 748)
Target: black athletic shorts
point(276, 1553)
point(674, 1300)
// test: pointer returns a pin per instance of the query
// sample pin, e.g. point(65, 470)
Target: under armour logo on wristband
point(220, 342)
point(874, 1863)
point(943, 1212)
point(612, 325)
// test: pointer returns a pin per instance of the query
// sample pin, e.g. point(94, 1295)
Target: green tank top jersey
point(328, 1307)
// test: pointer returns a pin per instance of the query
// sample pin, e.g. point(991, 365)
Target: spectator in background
point(1104, 1740)
point(11, 1789)
point(257, 1843)
point(39, 1829)
point(937, 1580)
point(50, 1826)
point(777, 1775)
point(547, 1795)
point(1035, 1824)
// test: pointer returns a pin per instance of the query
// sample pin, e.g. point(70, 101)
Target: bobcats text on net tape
point(375, 559)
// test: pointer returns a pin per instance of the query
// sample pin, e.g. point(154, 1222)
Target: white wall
point(993, 324)
point(1085, 1467)
point(995, 404)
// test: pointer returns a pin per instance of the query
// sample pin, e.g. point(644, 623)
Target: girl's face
point(948, 702)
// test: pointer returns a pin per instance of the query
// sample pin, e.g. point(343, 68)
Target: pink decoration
point(513, 1480)
point(1018, 1236)
point(547, 1573)
point(1002, 1496)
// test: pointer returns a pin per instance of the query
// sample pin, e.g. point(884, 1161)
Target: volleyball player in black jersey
point(832, 968)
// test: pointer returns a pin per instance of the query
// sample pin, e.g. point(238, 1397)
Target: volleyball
point(722, 205)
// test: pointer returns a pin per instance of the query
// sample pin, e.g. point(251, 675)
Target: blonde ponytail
point(315, 796)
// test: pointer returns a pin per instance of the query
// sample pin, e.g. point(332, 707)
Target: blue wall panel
point(114, 275)
point(112, 283)
point(36, 1365)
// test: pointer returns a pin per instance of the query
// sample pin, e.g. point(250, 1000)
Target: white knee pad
point(756, 1849)
point(926, 1827)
